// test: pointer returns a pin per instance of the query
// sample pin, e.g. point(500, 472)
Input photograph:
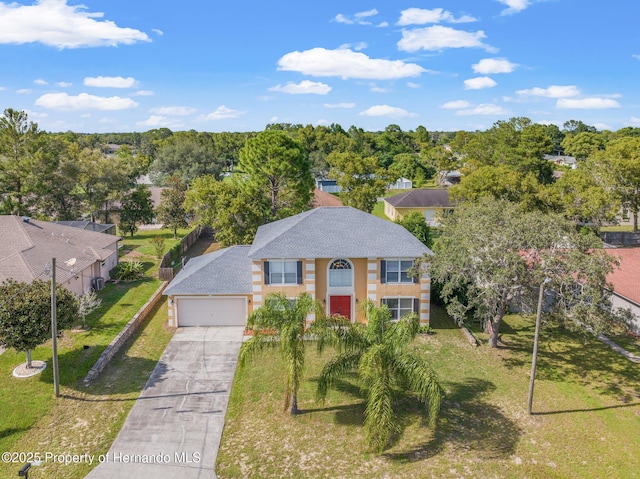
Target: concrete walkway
point(175, 426)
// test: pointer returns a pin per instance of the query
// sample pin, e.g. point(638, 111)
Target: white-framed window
point(399, 307)
point(340, 273)
point(396, 271)
point(283, 271)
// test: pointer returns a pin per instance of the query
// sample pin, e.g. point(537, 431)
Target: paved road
point(176, 424)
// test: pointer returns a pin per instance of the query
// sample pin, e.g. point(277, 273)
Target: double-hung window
point(399, 307)
point(283, 272)
point(397, 271)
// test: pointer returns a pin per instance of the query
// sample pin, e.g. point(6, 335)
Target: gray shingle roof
point(226, 271)
point(26, 248)
point(421, 198)
point(331, 232)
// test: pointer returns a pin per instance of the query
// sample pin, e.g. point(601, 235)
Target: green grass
point(628, 228)
point(82, 420)
point(24, 402)
point(586, 405)
point(378, 210)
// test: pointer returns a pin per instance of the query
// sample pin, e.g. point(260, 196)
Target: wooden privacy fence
point(172, 261)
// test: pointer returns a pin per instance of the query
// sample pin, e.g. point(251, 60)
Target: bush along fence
point(172, 261)
point(115, 345)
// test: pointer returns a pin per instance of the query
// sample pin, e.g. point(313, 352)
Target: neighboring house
point(401, 184)
point(320, 198)
point(432, 203)
point(340, 255)
point(563, 160)
point(328, 186)
point(626, 283)
point(106, 228)
point(83, 258)
point(449, 178)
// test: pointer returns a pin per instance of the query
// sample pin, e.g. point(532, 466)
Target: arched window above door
point(340, 273)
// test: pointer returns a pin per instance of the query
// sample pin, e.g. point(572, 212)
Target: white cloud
point(84, 101)
point(221, 113)
point(54, 23)
point(602, 126)
point(410, 84)
point(637, 57)
point(23, 91)
point(304, 87)
point(358, 18)
point(339, 105)
point(157, 31)
point(110, 82)
point(488, 66)
point(378, 89)
point(2, 88)
point(107, 121)
point(144, 93)
point(382, 25)
point(438, 37)
point(63, 84)
point(515, 6)
point(554, 91)
point(40, 81)
point(479, 83)
point(386, 110)
point(587, 103)
point(634, 121)
point(456, 105)
point(173, 110)
point(159, 121)
point(483, 109)
point(422, 16)
point(321, 62)
point(358, 46)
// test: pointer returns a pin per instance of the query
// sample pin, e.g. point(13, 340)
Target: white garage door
point(212, 311)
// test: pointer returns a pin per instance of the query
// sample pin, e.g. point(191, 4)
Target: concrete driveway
point(175, 426)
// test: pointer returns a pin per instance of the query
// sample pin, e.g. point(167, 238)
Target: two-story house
point(340, 255)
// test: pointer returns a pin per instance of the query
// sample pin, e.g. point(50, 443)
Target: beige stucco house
point(340, 255)
point(432, 203)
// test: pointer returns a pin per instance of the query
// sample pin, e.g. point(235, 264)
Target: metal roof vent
point(26, 219)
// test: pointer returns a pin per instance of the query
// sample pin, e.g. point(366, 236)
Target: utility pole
point(54, 328)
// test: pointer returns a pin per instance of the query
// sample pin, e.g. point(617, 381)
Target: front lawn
point(24, 402)
point(586, 421)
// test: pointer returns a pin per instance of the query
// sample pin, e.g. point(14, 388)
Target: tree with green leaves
point(19, 140)
point(276, 169)
point(362, 179)
point(498, 255)
point(416, 224)
point(187, 155)
point(233, 214)
point(583, 144)
point(618, 169)
point(25, 313)
point(287, 319)
point(379, 351)
point(171, 210)
point(136, 208)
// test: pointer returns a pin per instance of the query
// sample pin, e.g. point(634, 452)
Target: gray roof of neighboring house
point(421, 198)
point(226, 271)
point(27, 246)
point(88, 225)
point(331, 232)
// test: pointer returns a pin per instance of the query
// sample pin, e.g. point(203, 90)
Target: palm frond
point(379, 416)
point(422, 380)
point(335, 369)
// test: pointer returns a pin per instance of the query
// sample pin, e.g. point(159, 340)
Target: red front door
point(340, 305)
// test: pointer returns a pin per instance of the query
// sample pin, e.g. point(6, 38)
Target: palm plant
point(379, 352)
point(281, 322)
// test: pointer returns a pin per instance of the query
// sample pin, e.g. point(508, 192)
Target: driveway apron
point(175, 426)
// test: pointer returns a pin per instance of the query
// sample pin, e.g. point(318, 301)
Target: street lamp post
point(54, 329)
point(535, 343)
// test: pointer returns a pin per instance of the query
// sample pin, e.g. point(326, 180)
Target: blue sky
point(102, 66)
